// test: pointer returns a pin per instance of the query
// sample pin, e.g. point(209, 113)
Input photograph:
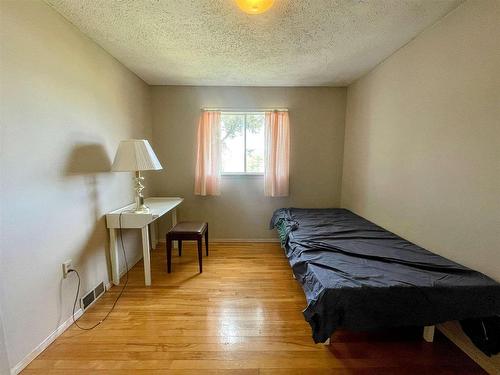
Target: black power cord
point(75, 321)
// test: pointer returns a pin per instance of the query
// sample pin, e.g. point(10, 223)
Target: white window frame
point(245, 173)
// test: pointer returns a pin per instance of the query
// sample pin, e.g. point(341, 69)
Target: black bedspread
point(359, 276)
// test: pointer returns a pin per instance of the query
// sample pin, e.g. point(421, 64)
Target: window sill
point(242, 174)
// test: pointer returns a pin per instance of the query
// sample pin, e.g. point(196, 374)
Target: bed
point(359, 276)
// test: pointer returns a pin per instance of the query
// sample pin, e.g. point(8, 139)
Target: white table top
point(158, 206)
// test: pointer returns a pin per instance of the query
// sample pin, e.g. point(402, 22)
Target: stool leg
point(200, 254)
point(206, 239)
point(179, 245)
point(169, 255)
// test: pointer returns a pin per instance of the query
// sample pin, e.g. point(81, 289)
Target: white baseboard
point(58, 332)
point(244, 240)
point(455, 334)
point(44, 344)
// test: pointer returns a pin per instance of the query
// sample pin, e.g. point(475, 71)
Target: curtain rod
point(246, 109)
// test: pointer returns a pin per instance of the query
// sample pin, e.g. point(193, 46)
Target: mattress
point(359, 276)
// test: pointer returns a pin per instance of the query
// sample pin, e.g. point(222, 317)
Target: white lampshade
point(135, 155)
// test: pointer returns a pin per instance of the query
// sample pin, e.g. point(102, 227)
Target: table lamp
point(136, 155)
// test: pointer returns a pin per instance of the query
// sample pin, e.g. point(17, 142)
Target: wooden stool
point(187, 230)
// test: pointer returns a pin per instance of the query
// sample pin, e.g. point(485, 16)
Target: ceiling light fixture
point(255, 6)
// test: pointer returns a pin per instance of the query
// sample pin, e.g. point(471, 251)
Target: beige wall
point(242, 211)
point(422, 146)
point(65, 105)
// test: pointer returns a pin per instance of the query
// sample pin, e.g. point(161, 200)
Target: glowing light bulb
point(255, 6)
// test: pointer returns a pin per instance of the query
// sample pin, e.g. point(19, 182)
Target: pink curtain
point(277, 154)
point(207, 175)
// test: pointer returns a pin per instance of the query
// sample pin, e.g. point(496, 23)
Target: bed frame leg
point(429, 333)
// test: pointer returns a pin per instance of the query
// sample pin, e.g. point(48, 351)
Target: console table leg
point(174, 222)
point(153, 234)
point(174, 217)
point(146, 255)
point(429, 333)
point(113, 255)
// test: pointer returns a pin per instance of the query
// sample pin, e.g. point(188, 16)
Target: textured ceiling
point(211, 42)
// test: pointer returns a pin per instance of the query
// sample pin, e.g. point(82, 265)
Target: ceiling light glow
point(255, 6)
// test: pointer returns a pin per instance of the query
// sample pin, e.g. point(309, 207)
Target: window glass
point(232, 143)
point(255, 143)
point(242, 142)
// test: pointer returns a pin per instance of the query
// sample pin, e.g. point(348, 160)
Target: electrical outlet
point(66, 266)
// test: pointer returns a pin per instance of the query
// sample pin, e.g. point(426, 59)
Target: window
point(242, 142)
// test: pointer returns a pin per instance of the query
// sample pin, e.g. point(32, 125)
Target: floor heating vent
point(99, 290)
point(91, 296)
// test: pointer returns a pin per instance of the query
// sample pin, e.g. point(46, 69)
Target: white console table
point(157, 208)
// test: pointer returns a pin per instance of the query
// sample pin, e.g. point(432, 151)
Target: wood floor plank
point(241, 316)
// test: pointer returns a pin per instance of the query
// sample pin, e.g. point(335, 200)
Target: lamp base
point(141, 210)
point(140, 207)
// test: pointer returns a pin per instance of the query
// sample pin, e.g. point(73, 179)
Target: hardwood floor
point(241, 316)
